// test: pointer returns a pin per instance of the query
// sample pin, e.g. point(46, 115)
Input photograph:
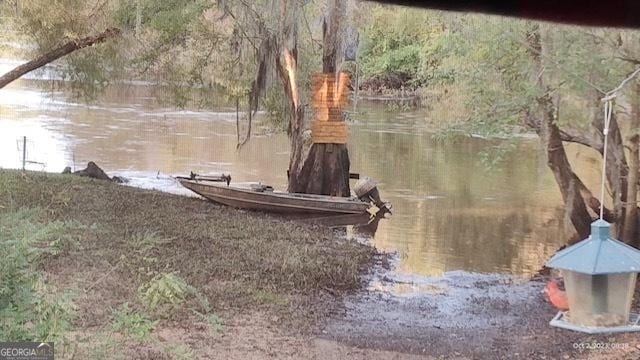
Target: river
point(452, 211)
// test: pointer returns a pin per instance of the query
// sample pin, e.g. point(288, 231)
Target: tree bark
point(286, 67)
point(622, 177)
point(592, 202)
point(55, 54)
point(629, 229)
point(571, 188)
point(582, 138)
point(326, 168)
point(617, 169)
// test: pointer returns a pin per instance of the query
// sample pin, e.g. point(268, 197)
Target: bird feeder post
point(600, 276)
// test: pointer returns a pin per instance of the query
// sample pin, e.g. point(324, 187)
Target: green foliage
point(277, 107)
point(393, 42)
point(448, 134)
point(398, 106)
point(105, 347)
point(479, 67)
point(30, 310)
point(45, 24)
point(491, 68)
point(403, 60)
point(132, 324)
point(166, 290)
point(54, 315)
point(180, 351)
point(495, 155)
point(213, 321)
point(171, 19)
point(147, 240)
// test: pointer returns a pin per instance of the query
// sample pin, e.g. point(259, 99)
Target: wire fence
point(25, 148)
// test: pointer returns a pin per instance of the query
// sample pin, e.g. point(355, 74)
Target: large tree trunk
point(572, 189)
point(617, 169)
point(326, 168)
point(55, 54)
point(629, 229)
point(621, 177)
point(286, 66)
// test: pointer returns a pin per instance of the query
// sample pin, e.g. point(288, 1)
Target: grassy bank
point(94, 265)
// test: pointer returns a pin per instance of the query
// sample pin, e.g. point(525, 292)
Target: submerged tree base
point(325, 171)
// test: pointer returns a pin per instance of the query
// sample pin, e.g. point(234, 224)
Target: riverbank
point(116, 272)
point(153, 275)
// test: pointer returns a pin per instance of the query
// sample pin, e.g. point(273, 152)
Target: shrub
point(30, 310)
point(166, 290)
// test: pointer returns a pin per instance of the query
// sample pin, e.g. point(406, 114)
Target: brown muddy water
point(452, 211)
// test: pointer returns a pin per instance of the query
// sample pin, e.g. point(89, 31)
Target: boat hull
point(270, 201)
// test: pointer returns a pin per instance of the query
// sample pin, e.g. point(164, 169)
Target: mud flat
point(466, 315)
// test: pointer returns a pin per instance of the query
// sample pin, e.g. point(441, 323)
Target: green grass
point(198, 239)
point(133, 324)
point(146, 241)
point(111, 244)
point(29, 308)
point(269, 297)
point(213, 321)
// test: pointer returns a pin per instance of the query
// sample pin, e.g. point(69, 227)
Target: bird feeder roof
point(598, 254)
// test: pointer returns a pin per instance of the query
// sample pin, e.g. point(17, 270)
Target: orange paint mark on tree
point(290, 65)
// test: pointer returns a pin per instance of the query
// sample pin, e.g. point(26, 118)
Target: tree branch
point(55, 54)
point(628, 59)
point(612, 94)
point(568, 135)
point(581, 137)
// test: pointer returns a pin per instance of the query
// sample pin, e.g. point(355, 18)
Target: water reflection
point(450, 212)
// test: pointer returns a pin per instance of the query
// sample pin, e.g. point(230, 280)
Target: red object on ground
point(556, 296)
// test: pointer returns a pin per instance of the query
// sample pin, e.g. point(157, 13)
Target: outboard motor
point(366, 190)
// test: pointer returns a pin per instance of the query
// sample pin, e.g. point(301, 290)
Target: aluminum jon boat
point(264, 198)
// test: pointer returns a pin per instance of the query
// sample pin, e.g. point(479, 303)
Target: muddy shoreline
point(465, 315)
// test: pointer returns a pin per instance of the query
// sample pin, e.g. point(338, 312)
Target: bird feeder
point(600, 276)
